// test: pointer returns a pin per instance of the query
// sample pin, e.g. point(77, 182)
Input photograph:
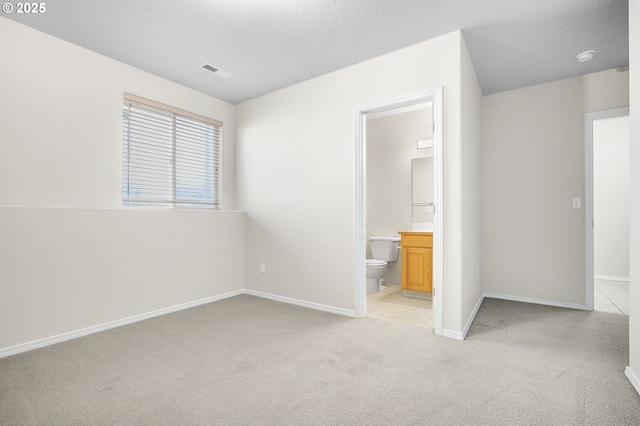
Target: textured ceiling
point(270, 44)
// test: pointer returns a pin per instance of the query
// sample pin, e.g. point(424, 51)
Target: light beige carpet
point(250, 361)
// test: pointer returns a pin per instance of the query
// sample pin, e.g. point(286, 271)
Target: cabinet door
point(417, 268)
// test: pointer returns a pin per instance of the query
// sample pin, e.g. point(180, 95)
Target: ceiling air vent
point(217, 71)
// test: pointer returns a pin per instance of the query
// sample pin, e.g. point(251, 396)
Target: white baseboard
point(535, 301)
point(472, 317)
point(311, 305)
point(12, 350)
point(611, 278)
point(452, 334)
point(632, 378)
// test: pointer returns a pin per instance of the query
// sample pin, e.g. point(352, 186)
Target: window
point(170, 157)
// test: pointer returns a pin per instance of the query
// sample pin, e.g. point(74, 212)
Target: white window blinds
point(170, 158)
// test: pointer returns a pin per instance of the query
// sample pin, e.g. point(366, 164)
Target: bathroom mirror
point(422, 193)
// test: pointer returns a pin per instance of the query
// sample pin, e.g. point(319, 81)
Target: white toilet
point(383, 250)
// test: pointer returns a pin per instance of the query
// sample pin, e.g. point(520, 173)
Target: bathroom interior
point(399, 215)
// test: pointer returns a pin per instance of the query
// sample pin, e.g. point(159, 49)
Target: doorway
point(607, 210)
point(434, 98)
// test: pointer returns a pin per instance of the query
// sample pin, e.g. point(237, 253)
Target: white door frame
point(589, 118)
point(360, 116)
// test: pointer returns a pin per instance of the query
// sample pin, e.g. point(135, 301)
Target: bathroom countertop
point(415, 232)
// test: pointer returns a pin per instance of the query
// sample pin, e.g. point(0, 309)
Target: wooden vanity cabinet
point(417, 261)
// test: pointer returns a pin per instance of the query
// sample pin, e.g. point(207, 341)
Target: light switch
point(577, 203)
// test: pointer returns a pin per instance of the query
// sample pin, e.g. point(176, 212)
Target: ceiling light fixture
point(586, 55)
point(217, 71)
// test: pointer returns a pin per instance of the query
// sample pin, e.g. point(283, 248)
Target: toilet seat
point(375, 263)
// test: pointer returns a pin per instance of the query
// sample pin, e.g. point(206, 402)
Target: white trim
point(632, 378)
point(168, 108)
point(535, 301)
point(589, 118)
point(360, 248)
point(398, 111)
point(438, 211)
point(435, 97)
point(302, 303)
point(452, 334)
point(221, 172)
point(12, 350)
point(611, 278)
point(472, 317)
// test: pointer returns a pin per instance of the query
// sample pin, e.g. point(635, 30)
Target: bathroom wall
point(70, 257)
point(423, 193)
point(390, 147)
point(534, 241)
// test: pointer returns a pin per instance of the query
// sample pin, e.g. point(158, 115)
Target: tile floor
point(392, 305)
point(611, 296)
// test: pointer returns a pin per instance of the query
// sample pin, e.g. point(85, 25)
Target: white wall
point(390, 146)
point(70, 258)
point(534, 242)
point(633, 372)
point(296, 174)
point(61, 129)
point(611, 197)
point(471, 194)
point(66, 269)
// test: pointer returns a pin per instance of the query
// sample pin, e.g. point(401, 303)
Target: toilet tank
point(384, 248)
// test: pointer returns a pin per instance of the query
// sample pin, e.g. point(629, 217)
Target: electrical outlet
point(576, 203)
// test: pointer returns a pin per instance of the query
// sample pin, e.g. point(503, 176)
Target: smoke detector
point(586, 56)
point(217, 71)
